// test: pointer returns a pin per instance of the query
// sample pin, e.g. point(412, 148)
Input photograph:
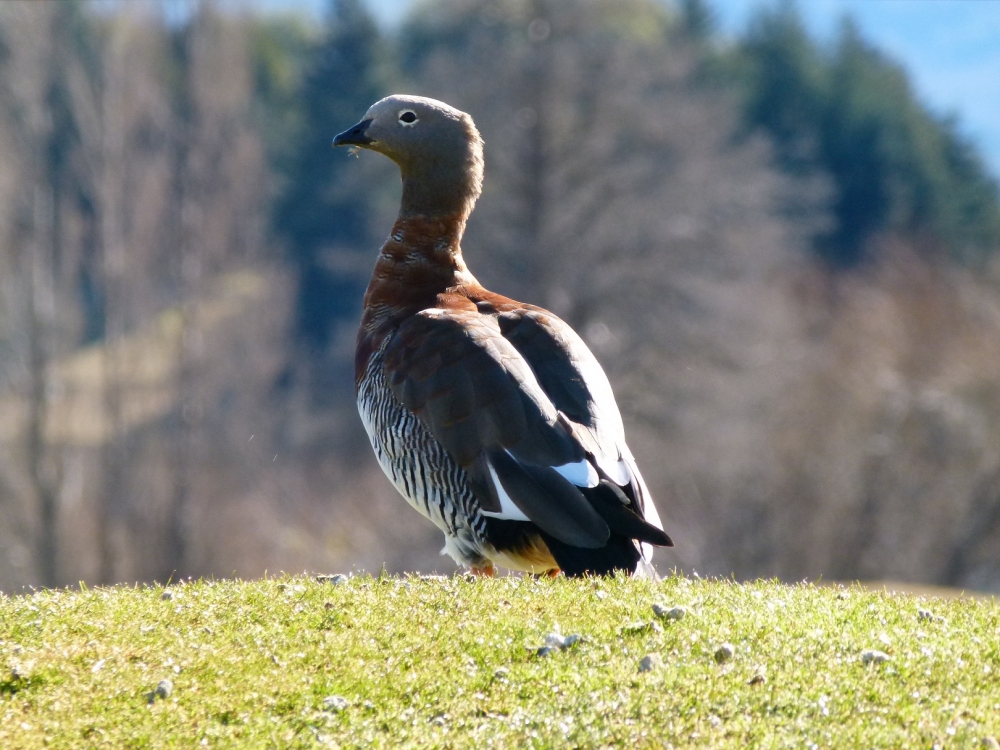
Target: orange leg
point(484, 571)
point(551, 573)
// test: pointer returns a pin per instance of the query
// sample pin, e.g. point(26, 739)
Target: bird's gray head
point(437, 147)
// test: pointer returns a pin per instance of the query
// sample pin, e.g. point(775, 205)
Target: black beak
point(354, 136)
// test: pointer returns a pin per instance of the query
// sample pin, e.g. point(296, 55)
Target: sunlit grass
point(296, 662)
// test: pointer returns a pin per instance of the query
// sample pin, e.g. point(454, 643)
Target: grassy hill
point(448, 662)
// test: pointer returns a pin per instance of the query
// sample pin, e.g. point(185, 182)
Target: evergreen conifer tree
point(852, 113)
point(318, 211)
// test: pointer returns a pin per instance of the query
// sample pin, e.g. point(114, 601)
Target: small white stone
point(335, 703)
point(669, 613)
point(874, 656)
point(164, 689)
point(554, 640)
point(21, 670)
point(634, 628)
point(724, 652)
point(925, 615)
point(338, 579)
point(650, 662)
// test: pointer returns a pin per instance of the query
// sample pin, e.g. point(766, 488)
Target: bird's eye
point(408, 117)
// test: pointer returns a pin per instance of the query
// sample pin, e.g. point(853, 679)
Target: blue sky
point(950, 47)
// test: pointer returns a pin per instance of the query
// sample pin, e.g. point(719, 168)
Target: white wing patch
point(617, 470)
point(621, 474)
point(508, 511)
point(582, 473)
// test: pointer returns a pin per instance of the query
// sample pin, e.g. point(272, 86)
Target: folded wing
point(520, 402)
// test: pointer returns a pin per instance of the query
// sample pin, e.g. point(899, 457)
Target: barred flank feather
point(417, 465)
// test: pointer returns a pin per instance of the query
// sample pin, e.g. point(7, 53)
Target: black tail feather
point(550, 501)
point(610, 503)
point(620, 553)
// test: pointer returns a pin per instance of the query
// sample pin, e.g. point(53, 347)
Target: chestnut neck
point(421, 259)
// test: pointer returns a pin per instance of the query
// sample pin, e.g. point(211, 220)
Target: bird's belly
point(534, 558)
point(416, 464)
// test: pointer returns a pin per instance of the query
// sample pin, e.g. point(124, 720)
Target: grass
point(387, 662)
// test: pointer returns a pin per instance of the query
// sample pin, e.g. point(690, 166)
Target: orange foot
point(551, 573)
point(484, 571)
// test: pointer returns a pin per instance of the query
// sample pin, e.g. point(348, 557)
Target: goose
point(491, 417)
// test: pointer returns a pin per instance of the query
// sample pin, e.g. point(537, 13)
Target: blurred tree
point(853, 114)
point(281, 49)
point(791, 420)
point(58, 306)
point(698, 20)
point(322, 210)
point(133, 180)
point(785, 81)
point(219, 188)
